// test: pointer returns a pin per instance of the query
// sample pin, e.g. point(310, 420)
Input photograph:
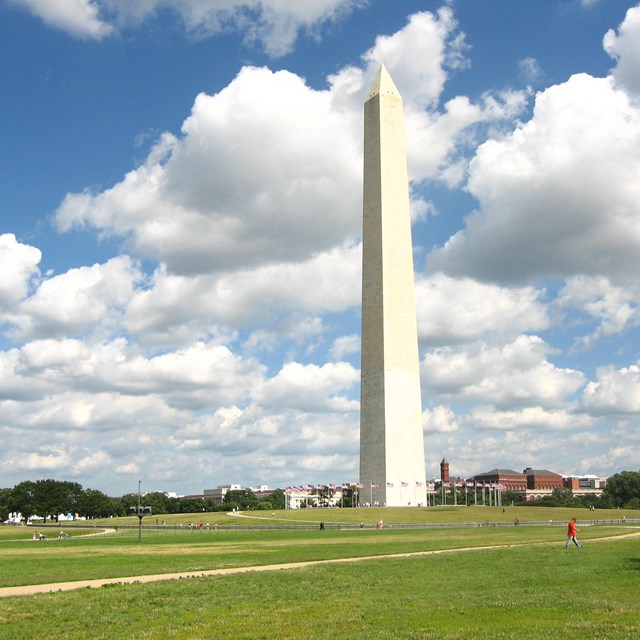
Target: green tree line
point(49, 498)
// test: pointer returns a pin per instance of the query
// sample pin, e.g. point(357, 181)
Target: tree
point(622, 488)
point(156, 500)
point(52, 497)
point(512, 497)
point(563, 496)
point(348, 498)
point(589, 500)
point(325, 495)
point(95, 504)
point(127, 500)
point(22, 499)
point(5, 497)
point(240, 499)
point(560, 497)
point(277, 499)
point(192, 505)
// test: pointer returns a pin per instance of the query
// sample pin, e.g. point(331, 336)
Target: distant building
point(262, 492)
point(512, 480)
point(586, 485)
point(313, 497)
point(538, 483)
point(542, 481)
point(217, 495)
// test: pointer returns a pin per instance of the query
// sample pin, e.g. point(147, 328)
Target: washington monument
point(392, 467)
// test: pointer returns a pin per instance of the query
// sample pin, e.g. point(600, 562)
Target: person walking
point(571, 534)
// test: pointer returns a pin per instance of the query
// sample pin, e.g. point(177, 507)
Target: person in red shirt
point(571, 534)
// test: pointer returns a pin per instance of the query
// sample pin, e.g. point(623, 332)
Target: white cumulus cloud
point(272, 24)
point(624, 46)
point(19, 265)
point(264, 172)
point(616, 391)
point(77, 301)
point(463, 310)
point(80, 18)
point(517, 374)
point(559, 196)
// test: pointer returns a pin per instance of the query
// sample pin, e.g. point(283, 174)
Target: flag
point(418, 484)
point(360, 486)
point(405, 484)
point(374, 485)
point(390, 485)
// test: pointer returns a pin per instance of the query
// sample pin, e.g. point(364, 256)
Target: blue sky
point(180, 211)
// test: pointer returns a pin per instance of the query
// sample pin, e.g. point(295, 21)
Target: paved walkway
point(32, 589)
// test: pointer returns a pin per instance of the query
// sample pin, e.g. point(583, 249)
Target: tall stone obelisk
point(392, 467)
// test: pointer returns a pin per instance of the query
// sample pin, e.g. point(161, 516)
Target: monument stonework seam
point(392, 462)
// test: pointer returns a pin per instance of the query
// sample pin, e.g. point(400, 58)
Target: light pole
point(140, 512)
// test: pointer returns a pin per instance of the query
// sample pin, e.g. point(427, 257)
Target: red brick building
point(512, 480)
point(542, 479)
point(531, 483)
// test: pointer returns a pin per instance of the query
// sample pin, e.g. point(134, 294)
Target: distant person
point(571, 534)
point(322, 525)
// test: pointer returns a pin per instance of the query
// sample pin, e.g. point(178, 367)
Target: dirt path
point(32, 589)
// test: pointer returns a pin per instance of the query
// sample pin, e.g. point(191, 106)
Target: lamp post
point(140, 512)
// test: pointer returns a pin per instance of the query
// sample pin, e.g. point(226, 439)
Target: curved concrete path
point(27, 590)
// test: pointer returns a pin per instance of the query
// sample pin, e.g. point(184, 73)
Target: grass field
point(528, 588)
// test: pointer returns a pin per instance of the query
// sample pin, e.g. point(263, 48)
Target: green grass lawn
point(334, 517)
point(529, 588)
point(524, 592)
point(370, 516)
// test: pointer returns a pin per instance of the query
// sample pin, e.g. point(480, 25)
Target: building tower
point(392, 467)
point(444, 471)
